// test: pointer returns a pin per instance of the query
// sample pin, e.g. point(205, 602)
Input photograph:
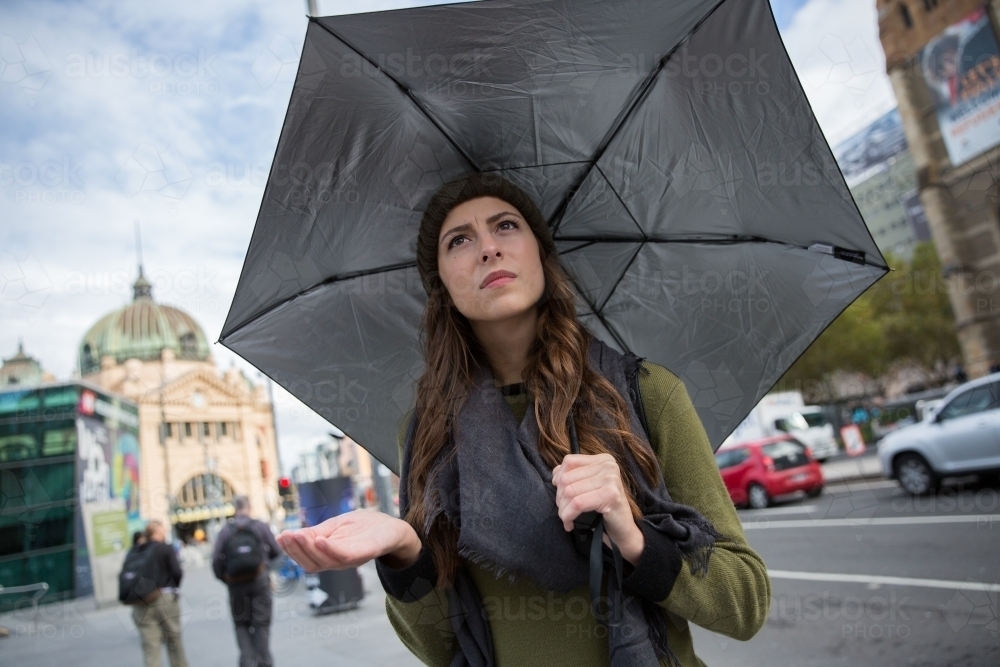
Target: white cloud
point(835, 49)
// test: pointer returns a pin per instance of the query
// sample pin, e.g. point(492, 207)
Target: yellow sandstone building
point(203, 437)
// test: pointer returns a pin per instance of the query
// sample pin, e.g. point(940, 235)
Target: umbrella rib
point(583, 244)
point(620, 200)
point(536, 166)
point(733, 239)
point(326, 281)
point(596, 313)
point(622, 275)
point(625, 114)
point(600, 316)
point(406, 91)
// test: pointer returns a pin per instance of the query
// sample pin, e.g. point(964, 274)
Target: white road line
point(863, 484)
point(982, 519)
point(802, 509)
point(884, 581)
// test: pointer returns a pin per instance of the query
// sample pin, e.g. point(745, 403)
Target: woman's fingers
point(293, 548)
point(341, 552)
point(309, 546)
point(570, 508)
point(599, 473)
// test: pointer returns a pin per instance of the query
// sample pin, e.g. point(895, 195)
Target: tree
point(905, 316)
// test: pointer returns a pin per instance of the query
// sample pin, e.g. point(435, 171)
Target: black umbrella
point(692, 196)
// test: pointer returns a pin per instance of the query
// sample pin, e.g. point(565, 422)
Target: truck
point(786, 412)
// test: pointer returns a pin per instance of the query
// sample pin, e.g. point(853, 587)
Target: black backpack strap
point(636, 395)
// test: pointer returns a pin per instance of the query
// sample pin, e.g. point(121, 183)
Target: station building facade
point(204, 436)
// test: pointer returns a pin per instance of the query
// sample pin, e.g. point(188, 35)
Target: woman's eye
point(511, 225)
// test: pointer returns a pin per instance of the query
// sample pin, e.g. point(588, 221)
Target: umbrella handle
point(587, 521)
point(588, 538)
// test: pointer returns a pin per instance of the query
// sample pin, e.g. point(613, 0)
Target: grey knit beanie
point(460, 190)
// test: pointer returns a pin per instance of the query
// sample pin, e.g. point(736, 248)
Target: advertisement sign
point(107, 475)
point(854, 443)
point(108, 465)
point(961, 66)
point(106, 530)
point(325, 499)
point(868, 152)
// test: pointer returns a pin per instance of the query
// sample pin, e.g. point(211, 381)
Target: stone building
point(956, 168)
point(22, 369)
point(204, 437)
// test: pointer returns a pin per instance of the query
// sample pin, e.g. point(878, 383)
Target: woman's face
point(489, 261)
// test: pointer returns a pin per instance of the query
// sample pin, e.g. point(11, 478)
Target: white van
point(786, 411)
point(810, 425)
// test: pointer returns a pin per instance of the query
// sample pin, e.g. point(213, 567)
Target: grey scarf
point(494, 486)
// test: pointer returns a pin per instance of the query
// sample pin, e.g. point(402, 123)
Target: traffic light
point(286, 490)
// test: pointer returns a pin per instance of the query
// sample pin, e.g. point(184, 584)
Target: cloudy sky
point(169, 113)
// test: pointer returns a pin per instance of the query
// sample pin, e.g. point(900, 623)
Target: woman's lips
point(497, 279)
point(497, 282)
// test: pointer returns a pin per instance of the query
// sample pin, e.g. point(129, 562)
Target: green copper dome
point(142, 330)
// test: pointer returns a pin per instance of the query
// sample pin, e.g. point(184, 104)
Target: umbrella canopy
point(692, 197)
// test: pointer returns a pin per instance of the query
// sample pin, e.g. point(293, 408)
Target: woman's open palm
point(346, 541)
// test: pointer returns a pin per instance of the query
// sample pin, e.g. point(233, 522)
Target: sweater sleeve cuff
point(659, 564)
point(409, 584)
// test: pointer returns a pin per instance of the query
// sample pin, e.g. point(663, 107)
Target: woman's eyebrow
point(468, 225)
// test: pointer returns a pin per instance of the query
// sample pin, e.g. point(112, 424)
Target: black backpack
point(136, 580)
point(244, 554)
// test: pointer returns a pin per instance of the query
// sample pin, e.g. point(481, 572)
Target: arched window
point(905, 12)
point(204, 491)
point(189, 345)
point(90, 361)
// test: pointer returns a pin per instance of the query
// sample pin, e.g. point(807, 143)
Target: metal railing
point(40, 590)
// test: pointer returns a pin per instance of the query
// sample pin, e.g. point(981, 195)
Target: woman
point(484, 568)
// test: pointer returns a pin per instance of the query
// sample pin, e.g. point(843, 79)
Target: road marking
point(882, 484)
point(884, 581)
point(879, 521)
point(802, 509)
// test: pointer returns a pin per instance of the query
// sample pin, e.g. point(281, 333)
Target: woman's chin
point(501, 307)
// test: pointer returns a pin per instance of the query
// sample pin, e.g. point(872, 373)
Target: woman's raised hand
point(352, 539)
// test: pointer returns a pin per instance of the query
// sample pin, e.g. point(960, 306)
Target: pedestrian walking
point(538, 464)
point(242, 553)
point(157, 613)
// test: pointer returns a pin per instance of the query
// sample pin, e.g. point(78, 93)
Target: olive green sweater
point(532, 626)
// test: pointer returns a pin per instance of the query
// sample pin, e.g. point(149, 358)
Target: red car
point(758, 470)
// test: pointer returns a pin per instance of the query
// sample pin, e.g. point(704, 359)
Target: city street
point(943, 547)
point(832, 602)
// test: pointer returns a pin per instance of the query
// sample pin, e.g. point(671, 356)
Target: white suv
point(959, 437)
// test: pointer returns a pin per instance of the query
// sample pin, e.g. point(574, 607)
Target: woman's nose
point(489, 248)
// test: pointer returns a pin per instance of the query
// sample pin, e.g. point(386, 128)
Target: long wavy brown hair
point(557, 374)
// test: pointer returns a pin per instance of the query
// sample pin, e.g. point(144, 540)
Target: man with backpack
point(242, 553)
point(150, 582)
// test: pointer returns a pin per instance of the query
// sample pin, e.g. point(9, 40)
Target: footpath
point(844, 468)
point(78, 634)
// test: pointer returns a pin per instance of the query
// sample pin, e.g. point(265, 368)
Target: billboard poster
point(107, 474)
point(325, 499)
point(108, 451)
point(961, 67)
point(108, 540)
point(869, 151)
